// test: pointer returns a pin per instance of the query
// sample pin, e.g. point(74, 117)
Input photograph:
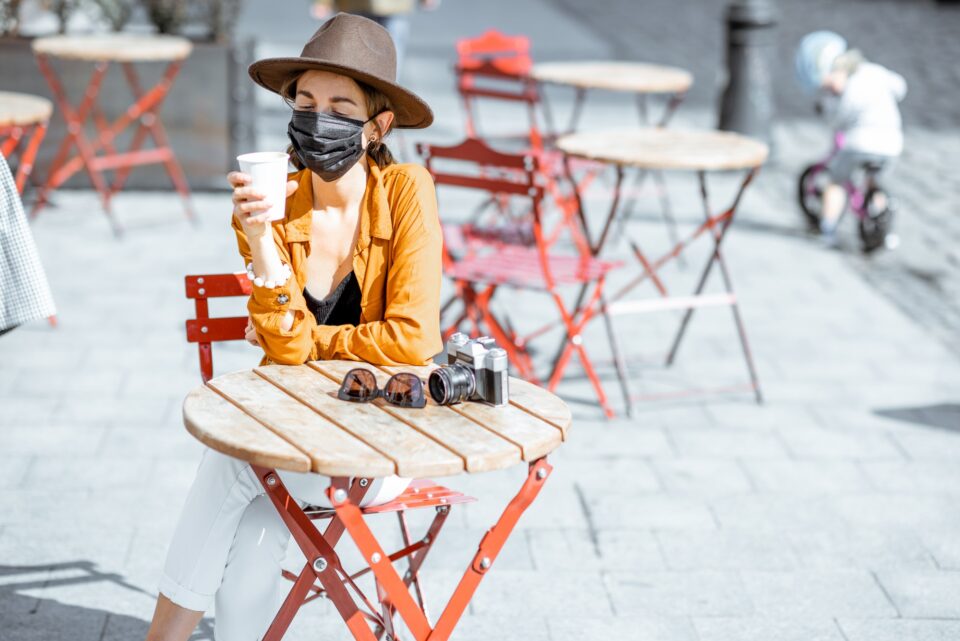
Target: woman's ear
point(384, 121)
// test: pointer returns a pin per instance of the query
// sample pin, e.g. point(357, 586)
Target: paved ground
point(827, 514)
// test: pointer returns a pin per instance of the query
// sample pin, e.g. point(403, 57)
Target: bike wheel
point(876, 223)
point(810, 195)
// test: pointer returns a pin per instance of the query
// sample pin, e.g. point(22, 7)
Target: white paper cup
point(268, 169)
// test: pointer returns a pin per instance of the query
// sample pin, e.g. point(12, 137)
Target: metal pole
point(747, 104)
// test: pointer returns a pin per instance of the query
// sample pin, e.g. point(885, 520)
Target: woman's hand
point(250, 333)
point(249, 205)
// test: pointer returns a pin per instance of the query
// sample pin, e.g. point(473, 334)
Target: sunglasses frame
point(377, 392)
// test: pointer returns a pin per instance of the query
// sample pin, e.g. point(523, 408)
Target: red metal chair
point(489, 265)
point(421, 493)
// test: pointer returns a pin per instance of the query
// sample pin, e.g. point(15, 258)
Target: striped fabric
point(24, 292)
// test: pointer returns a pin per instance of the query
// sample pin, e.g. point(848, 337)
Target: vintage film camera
point(476, 370)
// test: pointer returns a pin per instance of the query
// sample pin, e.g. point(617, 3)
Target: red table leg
point(393, 591)
point(145, 109)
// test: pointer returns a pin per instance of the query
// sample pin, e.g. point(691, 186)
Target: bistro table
point(100, 155)
point(672, 150)
point(289, 418)
point(23, 119)
point(639, 78)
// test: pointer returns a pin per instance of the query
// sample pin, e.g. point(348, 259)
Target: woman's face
point(339, 95)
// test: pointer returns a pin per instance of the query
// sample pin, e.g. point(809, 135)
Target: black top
point(340, 307)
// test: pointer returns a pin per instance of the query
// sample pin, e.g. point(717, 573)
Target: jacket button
point(283, 299)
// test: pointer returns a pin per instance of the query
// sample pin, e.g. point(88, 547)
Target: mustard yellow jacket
point(397, 262)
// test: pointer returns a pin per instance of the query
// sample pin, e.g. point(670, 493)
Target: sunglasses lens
point(358, 385)
point(405, 390)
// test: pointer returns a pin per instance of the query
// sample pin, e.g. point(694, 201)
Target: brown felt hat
point(353, 46)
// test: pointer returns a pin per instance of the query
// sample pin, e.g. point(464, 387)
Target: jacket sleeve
point(268, 307)
point(410, 330)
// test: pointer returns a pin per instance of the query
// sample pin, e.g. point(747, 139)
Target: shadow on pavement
point(27, 618)
point(942, 416)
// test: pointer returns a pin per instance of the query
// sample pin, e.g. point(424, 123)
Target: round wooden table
point(658, 149)
point(289, 418)
point(23, 117)
point(640, 78)
point(98, 155)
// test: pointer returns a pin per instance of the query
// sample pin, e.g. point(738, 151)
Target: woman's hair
point(377, 103)
point(848, 61)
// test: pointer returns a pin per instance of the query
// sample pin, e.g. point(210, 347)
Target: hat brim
point(410, 110)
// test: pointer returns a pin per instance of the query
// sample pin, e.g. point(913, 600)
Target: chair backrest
point(205, 330)
point(497, 66)
point(472, 164)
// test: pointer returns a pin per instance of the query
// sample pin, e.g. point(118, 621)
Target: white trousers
point(229, 542)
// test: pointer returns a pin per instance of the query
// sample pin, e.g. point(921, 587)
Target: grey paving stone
point(764, 629)
point(805, 476)
point(13, 470)
point(702, 477)
point(725, 550)
point(727, 443)
point(678, 594)
point(614, 510)
point(862, 548)
point(899, 629)
point(929, 477)
point(817, 594)
point(944, 546)
point(569, 593)
point(923, 594)
point(596, 550)
point(621, 627)
point(41, 438)
point(929, 444)
point(822, 443)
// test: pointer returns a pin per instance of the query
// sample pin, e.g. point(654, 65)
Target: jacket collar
point(375, 219)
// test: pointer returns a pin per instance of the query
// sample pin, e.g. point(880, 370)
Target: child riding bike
point(860, 101)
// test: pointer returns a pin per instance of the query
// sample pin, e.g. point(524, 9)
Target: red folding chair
point(489, 264)
point(420, 494)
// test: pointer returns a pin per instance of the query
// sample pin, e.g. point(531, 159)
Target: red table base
point(144, 111)
point(370, 618)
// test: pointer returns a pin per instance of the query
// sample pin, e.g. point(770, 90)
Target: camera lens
point(451, 384)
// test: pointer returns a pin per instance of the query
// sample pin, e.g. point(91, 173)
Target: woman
point(352, 272)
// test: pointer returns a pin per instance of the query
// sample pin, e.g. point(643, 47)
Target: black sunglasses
point(403, 389)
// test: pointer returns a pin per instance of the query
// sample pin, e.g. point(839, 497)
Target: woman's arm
point(249, 211)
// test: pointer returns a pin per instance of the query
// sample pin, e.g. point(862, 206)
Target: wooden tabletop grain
point(658, 148)
point(23, 109)
point(634, 77)
point(114, 47)
point(289, 417)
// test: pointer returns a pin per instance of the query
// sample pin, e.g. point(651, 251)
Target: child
point(859, 98)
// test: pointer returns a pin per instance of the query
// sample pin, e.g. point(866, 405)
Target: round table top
point(289, 417)
point(114, 47)
point(658, 148)
point(635, 77)
point(23, 109)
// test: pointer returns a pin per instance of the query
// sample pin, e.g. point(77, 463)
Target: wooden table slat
point(219, 424)
point(537, 435)
point(332, 450)
point(414, 454)
point(482, 449)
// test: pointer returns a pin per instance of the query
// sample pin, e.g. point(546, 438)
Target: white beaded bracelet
point(269, 284)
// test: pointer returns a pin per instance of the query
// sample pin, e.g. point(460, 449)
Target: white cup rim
point(263, 157)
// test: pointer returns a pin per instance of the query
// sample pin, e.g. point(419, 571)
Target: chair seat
point(521, 267)
point(419, 494)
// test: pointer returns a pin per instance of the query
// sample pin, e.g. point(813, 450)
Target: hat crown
point(356, 42)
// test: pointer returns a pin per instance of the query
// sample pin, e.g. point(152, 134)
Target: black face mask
point(326, 144)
